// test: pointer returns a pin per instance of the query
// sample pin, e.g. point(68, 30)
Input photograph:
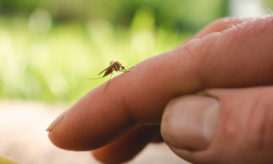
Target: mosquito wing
point(104, 70)
point(98, 74)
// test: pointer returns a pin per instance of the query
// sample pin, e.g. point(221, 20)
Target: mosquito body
point(114, 66)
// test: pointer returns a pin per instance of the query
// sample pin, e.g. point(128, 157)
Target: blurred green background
point(49, 48)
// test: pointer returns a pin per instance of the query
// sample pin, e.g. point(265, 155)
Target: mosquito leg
point(108, 82)
point(91, 78)
point(128, 69)
point(125, 70)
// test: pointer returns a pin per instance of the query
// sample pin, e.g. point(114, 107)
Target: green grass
point(52, 65)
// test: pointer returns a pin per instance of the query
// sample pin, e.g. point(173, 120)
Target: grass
point(52, 64)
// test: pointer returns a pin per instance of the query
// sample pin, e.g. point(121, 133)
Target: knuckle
point(232, 125)
point(260, 123)
point(248, 121)
point(222, 20)
point(226, 22)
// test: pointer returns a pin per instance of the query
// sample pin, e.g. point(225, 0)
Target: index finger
point(231, 58)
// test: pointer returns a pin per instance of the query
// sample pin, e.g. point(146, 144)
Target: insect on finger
point(114, 66)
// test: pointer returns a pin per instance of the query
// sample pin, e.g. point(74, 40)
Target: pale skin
point(229, 63)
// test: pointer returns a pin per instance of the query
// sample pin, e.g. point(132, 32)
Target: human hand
point(176, 91)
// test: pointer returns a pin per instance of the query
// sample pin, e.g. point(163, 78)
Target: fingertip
point(92, 122)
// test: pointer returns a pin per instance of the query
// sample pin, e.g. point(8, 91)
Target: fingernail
point(189, 123)
point(55, 122)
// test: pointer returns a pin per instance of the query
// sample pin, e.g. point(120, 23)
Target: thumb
point(221, 126)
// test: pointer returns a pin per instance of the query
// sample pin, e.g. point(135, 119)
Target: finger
point(240, 56)
point(219, 26)
point(221, 126)
point(129, 145)
point(216, 26)
point(126, 147)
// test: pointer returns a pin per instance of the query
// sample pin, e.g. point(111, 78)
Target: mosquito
point(114, 66)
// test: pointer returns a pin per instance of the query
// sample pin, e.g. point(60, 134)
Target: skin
point(232, 55)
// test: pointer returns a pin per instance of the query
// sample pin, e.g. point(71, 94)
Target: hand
point(176, 90)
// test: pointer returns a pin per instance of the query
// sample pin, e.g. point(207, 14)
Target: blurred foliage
point(269, 4)
point(175, 14)
point(48, 49)
point(55, 65)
